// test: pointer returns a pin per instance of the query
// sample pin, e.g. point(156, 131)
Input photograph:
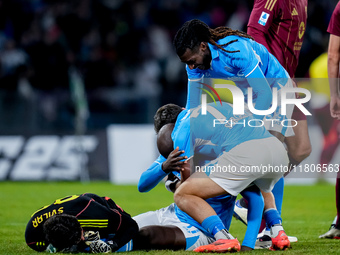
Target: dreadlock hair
point(62, 231)
point(166, 114)
point(193, 32)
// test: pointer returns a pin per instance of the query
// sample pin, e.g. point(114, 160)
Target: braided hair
point(193, 32)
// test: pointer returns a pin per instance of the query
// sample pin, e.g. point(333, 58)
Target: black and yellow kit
point(93, 212)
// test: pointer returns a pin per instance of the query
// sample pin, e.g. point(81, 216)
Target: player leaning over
point(232, 55)
point(189, 233)
point(235, 146)
point(226, 53)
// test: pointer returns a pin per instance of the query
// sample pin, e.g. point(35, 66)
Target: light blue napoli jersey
point(242, 62)
point(249, 65)
point(152, 176)
point(181, 133)
point(223, 205)
point(195, 133)
point(216, 131)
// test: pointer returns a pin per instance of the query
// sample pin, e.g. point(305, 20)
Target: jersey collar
point(214, 52)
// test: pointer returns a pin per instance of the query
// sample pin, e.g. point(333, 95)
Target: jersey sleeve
point(246, 63)
point(127, 228)
point(262, 15)
point(152, 176)
point(334, 24)
point(181, 137)
point(261, 89)
point(34, 236)
point(195, 77)
point(110, 220)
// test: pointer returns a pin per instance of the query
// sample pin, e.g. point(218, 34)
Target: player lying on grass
point(90, 223)
point(170, 166)
point(78, 222)
point(237, 146)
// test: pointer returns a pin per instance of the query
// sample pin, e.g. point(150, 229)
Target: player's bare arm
point(333, 73)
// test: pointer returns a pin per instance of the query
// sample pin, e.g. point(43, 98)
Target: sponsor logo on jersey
point(263, 18)
point(228, 69)
point(240, 73)
point(294, 12)
point(302, 29)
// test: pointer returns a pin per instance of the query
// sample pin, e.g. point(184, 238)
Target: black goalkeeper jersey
point(93, 213)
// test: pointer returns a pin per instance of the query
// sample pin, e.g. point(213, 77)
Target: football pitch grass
point(307, 212)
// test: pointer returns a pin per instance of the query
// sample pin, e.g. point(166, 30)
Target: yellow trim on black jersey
point(94, 223)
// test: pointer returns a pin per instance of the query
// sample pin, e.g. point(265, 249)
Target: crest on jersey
point(263, 18)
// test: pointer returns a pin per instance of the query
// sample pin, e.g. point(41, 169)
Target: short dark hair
point(62, 231)
point(166, 114)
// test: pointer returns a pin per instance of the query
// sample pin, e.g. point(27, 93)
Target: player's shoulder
point(232, 41)
point(268, 5)
point(337, 9)
point(241, 52)
point(290, 7)
point(236, 46)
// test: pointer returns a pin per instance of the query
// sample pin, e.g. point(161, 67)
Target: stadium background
point(81, 80)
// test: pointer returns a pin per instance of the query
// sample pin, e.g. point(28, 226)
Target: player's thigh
point(163, 216)
point(199, 184)
point(146, 219)
point(272, 173)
